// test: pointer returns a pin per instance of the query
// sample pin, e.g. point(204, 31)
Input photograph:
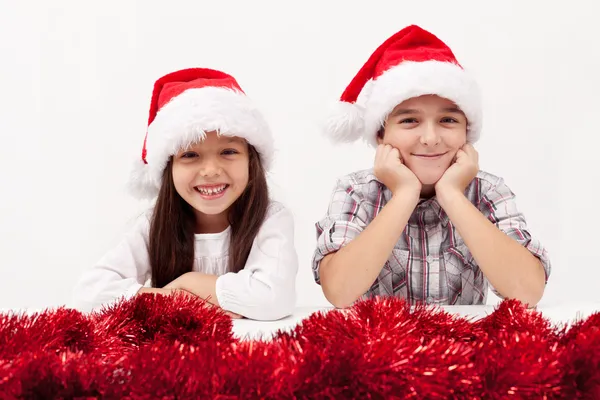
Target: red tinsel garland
point(179, 347)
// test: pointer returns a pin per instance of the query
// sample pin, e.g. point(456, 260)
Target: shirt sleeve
point(499, 206)
point(346, 218)
point(119, 274)
point(266, 288)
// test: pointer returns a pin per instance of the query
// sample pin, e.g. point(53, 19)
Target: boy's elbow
point(337, 296)
point(340, 301)
point(534, 296)
point(336, 292)
point(528, 296)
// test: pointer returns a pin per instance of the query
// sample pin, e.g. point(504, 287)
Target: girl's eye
point(449, 120)
point(229, 152)
point(409, 121)
point(189, 154)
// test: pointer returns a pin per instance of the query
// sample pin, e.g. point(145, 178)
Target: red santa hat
point(411, 63)
point(187, 104)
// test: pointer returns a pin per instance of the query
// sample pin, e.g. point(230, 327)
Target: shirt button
point(430, 300)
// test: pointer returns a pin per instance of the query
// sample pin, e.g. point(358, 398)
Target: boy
point(424, 224)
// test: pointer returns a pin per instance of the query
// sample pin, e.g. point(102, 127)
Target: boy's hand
point(461, 172)
point(391, 171)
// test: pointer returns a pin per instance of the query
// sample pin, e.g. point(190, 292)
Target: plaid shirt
point(430, 263)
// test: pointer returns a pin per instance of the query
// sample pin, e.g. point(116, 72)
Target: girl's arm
point(120, 274)
point(265, 289)
point(197, 283)
point(201, 285)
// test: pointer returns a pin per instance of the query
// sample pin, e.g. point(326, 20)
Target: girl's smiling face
point(211, 175)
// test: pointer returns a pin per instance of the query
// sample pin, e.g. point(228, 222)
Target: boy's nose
point(430, 136)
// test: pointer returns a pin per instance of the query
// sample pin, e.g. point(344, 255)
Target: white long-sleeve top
point(264, 290)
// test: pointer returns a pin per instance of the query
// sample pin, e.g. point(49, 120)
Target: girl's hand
point(173, 289)
point(233, 315)
point(164, 291)
point(175, 284)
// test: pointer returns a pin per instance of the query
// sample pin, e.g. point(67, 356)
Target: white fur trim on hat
point(186, 119)
point(413, 79)
point(344, 122)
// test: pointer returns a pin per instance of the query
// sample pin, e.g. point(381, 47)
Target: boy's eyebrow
point(453, 110)
point(402, 111)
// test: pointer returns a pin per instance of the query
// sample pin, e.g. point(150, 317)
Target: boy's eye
point(229, 152)
point(409, 121)
point(449, 120)
point(189, 154)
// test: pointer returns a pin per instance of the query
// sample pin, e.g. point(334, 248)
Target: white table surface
point(264, 330)
point(249, 329)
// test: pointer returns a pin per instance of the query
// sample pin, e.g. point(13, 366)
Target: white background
point(75, 85)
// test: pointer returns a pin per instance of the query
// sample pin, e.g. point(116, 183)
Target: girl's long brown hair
point(171, 242)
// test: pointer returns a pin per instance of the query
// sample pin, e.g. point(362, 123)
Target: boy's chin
point(429, 179)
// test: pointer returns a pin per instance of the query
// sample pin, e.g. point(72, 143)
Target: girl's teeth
point(211, 191)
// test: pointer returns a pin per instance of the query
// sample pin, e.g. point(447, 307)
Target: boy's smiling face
point(428, 131)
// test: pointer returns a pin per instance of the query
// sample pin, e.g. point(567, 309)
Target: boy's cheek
point(397, 144)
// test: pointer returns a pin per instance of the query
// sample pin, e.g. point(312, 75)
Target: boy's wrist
point(446, 195)
point(406, 196)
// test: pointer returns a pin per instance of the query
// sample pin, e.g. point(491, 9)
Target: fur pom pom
point(141, 185)
point(344, 122)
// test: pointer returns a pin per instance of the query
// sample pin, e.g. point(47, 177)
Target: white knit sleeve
point(266, 288)
point(119, 274)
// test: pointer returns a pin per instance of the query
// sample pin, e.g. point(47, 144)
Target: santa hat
point(187, 104)
point(411, 63)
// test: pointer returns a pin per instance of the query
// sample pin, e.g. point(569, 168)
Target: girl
point(213, 232)
point(424, 224)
